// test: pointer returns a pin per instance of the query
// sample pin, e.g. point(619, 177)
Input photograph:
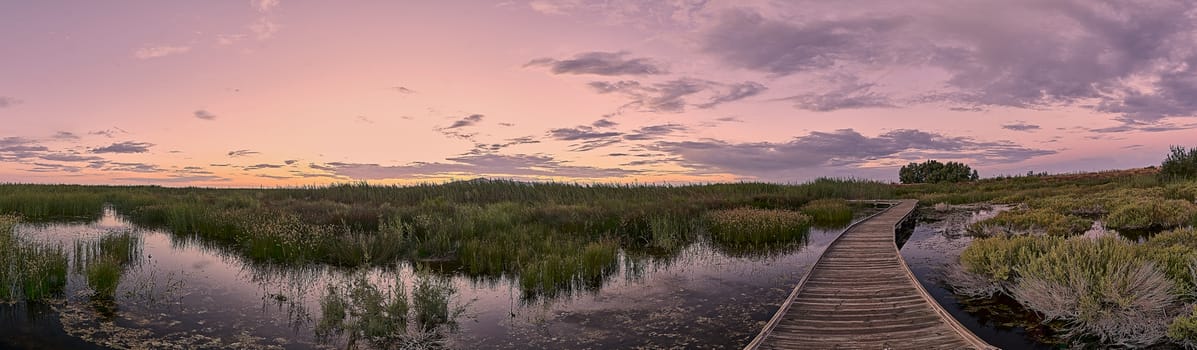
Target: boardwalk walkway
point(861, 295)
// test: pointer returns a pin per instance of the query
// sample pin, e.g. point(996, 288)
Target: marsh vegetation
point(393, 260)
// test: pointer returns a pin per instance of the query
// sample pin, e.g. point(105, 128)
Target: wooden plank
point(860, 294)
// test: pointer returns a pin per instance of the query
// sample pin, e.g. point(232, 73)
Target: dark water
point(185, 295)
point(935, 242)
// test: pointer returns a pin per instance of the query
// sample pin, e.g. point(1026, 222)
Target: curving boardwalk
point(861, 295)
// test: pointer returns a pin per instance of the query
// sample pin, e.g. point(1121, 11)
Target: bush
point(1031, 221)
point(999, 258)
point(933, 171)
point(1183, 330)
point(1179, 165)
point(1152, 213)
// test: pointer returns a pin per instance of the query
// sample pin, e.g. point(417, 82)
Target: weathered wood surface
point(861, 295)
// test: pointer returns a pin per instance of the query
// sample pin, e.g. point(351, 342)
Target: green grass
point(361, 311)
point(1031, 221)
point(104, 261)
point(29, 271)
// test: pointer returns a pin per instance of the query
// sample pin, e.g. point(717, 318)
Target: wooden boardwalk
point(861, 295)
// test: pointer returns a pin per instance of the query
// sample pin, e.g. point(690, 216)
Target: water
point(187, 294)
point(936, 241)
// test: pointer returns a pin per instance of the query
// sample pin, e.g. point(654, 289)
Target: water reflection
point(132, 286)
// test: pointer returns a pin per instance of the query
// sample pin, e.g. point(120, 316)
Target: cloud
point(110, 133)
point(174, 179)
point(65, 135)
point(734, 92)
point(467, 121)
point(852, 95)
point(363, 119)
point(70, 157)
point(480, 148)
point(585, 138)
point(1020, 126)
point(264, 28)
point(403, 90)
point(20, 149)
point(1134, 59)
point(6, 101)
point(264, 5)
point(149, 52)
point(655, 132)
point(290, 161)
point(476, 164)
point(203, 114)
point(671, 96)
point(746, 39)
point(133, 167)
point(262, 166)
point(600, 63)
point(242, 153)
point(603, 123)
point(124, 147)
point(840, 148)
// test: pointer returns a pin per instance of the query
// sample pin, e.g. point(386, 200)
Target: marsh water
point(185, 294)
point(182, 293)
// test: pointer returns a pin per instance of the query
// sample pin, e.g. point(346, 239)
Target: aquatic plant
point(828, 212)
point(755, 226)
point(31, 271)
point(360, 311)
point(1031, 221)
point(104, 261)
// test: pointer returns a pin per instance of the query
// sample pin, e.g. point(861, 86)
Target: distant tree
point(1180, 164)
point(932, 171)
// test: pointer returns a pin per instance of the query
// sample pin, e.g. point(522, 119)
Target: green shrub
point(1180, 164)
point(1101, 289)
point(1031, 221)
point(999, 258)
point(1183, 330)
point(1149, 213)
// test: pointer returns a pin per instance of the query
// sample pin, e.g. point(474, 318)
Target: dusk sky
point(290, 92)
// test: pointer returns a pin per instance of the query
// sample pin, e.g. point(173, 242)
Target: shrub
point(1100, 288)
point(933, 171)
point(1152, 213)
point(1183, 330)
point(1031, 221)
point(999, 258)
point(1180, 164)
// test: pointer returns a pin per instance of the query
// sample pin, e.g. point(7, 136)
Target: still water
point(185, 294)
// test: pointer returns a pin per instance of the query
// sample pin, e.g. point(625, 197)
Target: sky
point(289, 92)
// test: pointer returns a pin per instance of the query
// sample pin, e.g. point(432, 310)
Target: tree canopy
point(933, 171)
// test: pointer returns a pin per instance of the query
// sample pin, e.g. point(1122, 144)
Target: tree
point(1180, 164)
point(933, 171)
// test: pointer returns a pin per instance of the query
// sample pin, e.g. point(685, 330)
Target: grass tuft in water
point(30, 271)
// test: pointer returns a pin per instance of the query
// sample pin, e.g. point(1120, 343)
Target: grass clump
point(29, 271)
point(1031, 221)
point(391, 319)
point(758, 226)
point(104, 261)
point(1183, 330)
point(1107, 291)
point(1103, 289)
point(828, 212)
point(1152, 213)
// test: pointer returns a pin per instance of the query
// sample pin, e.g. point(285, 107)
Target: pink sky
point(281, 92)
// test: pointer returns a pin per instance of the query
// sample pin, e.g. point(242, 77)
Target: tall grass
point(360, 311)
point(104, 261)
point(30, 271)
